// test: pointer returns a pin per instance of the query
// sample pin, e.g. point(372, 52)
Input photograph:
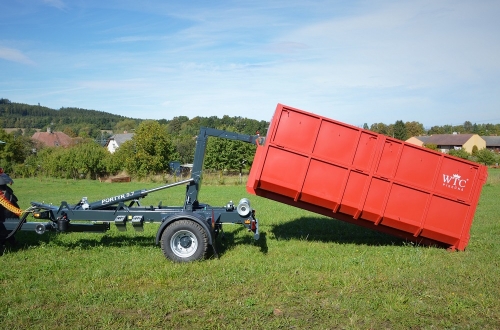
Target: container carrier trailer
point(306, 161)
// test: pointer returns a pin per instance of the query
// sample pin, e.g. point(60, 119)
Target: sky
point(435, 62)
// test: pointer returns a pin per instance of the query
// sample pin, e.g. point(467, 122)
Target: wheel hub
point(186, 242)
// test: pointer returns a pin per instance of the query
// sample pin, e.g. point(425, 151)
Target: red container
point(365, 178)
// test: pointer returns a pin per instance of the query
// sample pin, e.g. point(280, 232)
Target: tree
point(222, 154)
point(121, 159)
point(190, 129)
point(414, 128)
point(175, 125)
point(447, 129)
point(468, 127)
point(458, 129)
point(380, 128)
point(88, 160)
point(15, 150)
point(435, 130)
point(400, 132)
point(150, 150)
point(365, 126)
point(126, 125)
point(89, 131)
point(69, 132)
point(185, 148)
point(52, 162)
point(28, 132)
point(18, 132)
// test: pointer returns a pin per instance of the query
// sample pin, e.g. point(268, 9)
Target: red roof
point(53, 139)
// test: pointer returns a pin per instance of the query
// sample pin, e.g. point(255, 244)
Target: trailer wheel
point(184, 241)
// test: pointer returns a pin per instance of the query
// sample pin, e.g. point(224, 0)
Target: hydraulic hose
point(8, 205)
point(15, 210)
point(19, 225)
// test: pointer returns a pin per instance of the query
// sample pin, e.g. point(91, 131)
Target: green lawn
point(307, 271)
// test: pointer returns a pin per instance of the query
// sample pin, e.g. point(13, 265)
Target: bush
point(486, 157)
point(461, 153)
point(474, 150)
point(431, 146)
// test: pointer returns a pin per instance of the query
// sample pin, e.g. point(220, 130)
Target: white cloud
point(128, 39)
point(130, 84)
point(14, 55)
point(59, 4)
point(417, 44)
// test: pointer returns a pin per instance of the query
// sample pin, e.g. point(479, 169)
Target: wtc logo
point(454, 181)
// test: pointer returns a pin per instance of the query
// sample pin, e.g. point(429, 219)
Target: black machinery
point(185, 232)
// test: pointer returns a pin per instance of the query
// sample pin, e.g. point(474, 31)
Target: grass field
point(306, 272)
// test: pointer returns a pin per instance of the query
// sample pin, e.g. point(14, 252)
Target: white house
point(115, 141)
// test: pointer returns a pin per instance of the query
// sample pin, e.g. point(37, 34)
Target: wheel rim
point(184, 243)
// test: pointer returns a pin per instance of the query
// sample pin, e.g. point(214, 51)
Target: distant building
point(418, 140)
point(115, 141)
point(447, 142)
point(53, 139)
point(492, 143)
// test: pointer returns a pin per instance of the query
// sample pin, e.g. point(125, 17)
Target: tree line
point(99, 125)
point(73, 121)
point(156, 143)
point(84, 123)
point(150, 152)
point(405, 130)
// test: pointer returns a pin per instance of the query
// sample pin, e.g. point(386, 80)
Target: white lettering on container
point(454, 181)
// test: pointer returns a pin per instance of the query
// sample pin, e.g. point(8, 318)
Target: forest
point(155, 144)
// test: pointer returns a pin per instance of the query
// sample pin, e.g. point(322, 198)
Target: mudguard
point(198, 218)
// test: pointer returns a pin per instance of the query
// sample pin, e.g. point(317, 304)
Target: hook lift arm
point(193, 187)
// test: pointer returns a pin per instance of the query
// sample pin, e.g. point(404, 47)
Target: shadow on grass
point(26, 240)
point(231, 239)
point(318, 229)
point(331, 230)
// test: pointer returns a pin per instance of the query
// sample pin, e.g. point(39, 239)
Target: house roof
point(53, 139)
point(492, 141)
point(121, 138)
point(422, 138)
point(445, 139)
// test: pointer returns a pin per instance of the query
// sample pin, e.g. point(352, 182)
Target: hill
point(98, 124)
point(19, 115)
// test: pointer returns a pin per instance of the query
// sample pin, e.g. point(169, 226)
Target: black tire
point(184, 241)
